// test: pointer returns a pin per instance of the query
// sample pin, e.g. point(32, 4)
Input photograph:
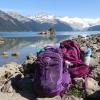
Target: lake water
point(30, 42)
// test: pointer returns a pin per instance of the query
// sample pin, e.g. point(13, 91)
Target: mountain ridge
point(12, 21)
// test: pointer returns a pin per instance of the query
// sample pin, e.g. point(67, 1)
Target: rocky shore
point(16, 82)
point(2, 41)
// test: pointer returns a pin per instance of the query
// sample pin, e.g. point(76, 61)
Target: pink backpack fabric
point(72, 53)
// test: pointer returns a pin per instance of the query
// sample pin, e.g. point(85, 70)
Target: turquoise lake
point(31, 42)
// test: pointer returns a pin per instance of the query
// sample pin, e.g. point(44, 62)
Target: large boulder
point(28, 64)
point(2, 40)
point(7, 71)
point(11, 84)
point(91, 86)
point(95, 73)
point(71, 97)
point(79, 83)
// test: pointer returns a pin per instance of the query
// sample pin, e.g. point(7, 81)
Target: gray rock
point(91, 86)
point(79, 83)
point(8, 70)
point(73, 98)
point(11, 84)
point(30, 56)
point(5, 54)
point(15, 54)
point(94, 96)
point(95, 70)
point(2, 40)
point(28, 65)
point(11, 68)
point(54, 98)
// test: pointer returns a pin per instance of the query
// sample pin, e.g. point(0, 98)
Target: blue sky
point(72, 8)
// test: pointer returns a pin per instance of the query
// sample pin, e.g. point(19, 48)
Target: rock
point(95, 73)
point(2, 40)
point(8, 70)
point(15, 54)
point(93, 62)
point(2, 72)
point(95, 69)
point(2, 76)
point(94, 96)
point(26, 62)
point(12, 83)
point(73, 98)
point(91, 86)
point(52, 31)
point(28, 65)
point(5, 54)
point(12, 68)
point(30, 56)
point(79, 83)
point(17, 82)
point(7, 87)
point(54, 98)
point(2, 81)
point(48, 33)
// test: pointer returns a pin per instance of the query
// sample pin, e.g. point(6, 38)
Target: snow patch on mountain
point(18, 16)
point(75, 22)
point(43, 18)
point(80, 23)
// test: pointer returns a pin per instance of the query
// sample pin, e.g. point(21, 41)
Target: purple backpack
point(50, 78)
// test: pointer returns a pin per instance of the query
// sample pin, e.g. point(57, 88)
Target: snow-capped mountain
point(18, 16)
point(16, 22)
point(80, 23)
point(51, 21)
point(12, 21)
point(75, 22)
point(43, 18)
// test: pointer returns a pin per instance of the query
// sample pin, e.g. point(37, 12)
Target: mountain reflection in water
point(25, 45)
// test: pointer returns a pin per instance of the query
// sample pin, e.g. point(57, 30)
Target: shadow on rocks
point(23, 86)
point(95, 96)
